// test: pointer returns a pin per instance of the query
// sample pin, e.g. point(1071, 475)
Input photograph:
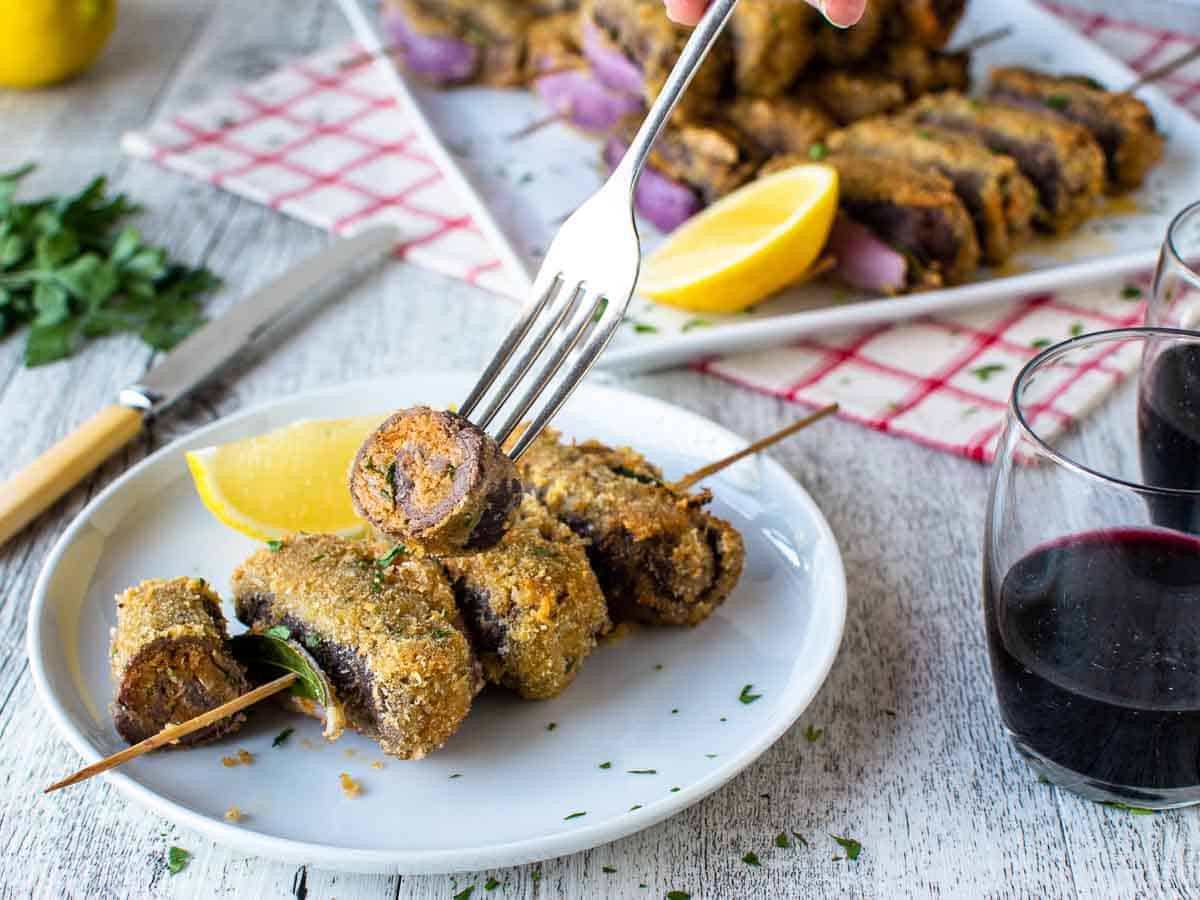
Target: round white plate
point(506, 788)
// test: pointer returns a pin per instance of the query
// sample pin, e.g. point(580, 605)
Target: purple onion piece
point(863, 260)
point(611, 66)
point(585, 102)
point(661, 200)
point(441, 59)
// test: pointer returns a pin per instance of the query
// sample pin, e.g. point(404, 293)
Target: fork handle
point(694, 53)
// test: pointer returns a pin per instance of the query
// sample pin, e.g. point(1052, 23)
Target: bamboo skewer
point(1164, 70)
point(988, 37)
point(687, 481)
point(172, 733)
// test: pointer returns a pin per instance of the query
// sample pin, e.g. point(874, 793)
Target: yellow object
point(44, 41)
point(747, 245)
point(287, 480)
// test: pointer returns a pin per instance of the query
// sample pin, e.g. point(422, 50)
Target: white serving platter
point(663, 699)
point(521, 189)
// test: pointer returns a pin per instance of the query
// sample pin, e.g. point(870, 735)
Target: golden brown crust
point(772, 41)
point(779, 124)
point(170, 659)
point(532, 604)
point(659, 556)
point(433, 480)
point(387, 636)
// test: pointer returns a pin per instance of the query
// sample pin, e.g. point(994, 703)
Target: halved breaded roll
point(386, 632)
point(171, 660)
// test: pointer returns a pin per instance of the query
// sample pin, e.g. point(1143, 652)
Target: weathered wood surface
point(939, 802)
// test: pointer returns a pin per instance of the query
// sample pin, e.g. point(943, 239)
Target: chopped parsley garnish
point(599, 313)
point(274, 546)
point(782, 842)
point(279, 631)
point(177, 860)
point(800, 839)
point(611, 870)
point(850, 845)
point(817, 151)
point(318, 557)
point(674, 790)
point(439, 634)
point(751, 859)
point(312, 640)
point(710, 756)
point(812, 734)
point(1040, 343)
point(678, 895)
point(390, 557)
point(696, 323)
point(1132, 810)
point(636, 476)
point(984, 373)
point(456, 775)
point(544, 552)
point(574, 815)
point(1058, 101)
point(606, 765)
point(491, 884)
point(658, 667)
point(465, 893)
point(550, 726)
point(746, 697)
point(635, 806)
point(282, 737)
point(1076, 329)
point(643, 327)
point(536, 874)
point(641, 771)
point(675, 712)
point(1131, 292)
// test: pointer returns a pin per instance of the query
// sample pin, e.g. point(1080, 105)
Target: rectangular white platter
point(525, 186)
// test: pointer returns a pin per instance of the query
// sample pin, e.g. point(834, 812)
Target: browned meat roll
point(659, 556)
point(778, 124)
point(435, 482)
point(531, 604)
point(1061, 158)
point(1122, 124)
point(384, 631)
point(171, 660)
point(849, 96)
point(772, 42)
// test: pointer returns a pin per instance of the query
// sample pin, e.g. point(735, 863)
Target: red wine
point(1095, 647)
point(1169, 434)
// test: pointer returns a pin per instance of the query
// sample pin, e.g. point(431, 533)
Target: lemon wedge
point(45, 41)
point(747, 245)
point(291, 479)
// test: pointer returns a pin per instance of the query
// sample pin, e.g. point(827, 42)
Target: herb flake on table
point(1076, 329)
point(641, 771)
point(177, 860)
point(985, 373)
point(1131, 292)
point(1132, 810)
point(751, 859)
point(536, 874)
point(641, 327)
point(281, 738)
point(678, 895)
point(691, 324)
point(747, 697)
point(812, 733)
point(605, 765)
point(852, 847)
point(491, 884)
point(550, 726)
point(1040, 343)
point(465, 893)
point(70, 272)
point(609, 870)
point(574, 815)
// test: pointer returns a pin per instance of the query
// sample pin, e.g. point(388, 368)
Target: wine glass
point(1175, 295)
point(1091, 592)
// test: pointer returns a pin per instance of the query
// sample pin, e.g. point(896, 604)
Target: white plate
point(779, 631)
point(520, 191)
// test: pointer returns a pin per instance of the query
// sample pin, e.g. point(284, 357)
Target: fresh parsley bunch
point(69, 271)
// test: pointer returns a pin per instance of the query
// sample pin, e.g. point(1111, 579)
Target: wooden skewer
point(1164, 70)
point(535, 125)
point(172, 733)
point(687, 481)
point(988, 37)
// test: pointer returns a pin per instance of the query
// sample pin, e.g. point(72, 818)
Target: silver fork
point(587, 277)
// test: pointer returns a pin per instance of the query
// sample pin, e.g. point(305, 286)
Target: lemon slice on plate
point(291, 479)
point(747, 245)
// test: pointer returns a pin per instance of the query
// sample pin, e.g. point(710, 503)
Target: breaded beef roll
point(432, 480)
point(778, 124)
point(659, 557)
point(531, 604)
point(772, 42)
point(171, 660)
point(384, 631)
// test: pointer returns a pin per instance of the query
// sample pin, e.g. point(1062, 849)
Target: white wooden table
point(912, 762)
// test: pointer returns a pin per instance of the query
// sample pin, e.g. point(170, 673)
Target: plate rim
point(439, 861)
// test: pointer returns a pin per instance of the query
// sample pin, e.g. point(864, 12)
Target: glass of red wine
point(1092, 575)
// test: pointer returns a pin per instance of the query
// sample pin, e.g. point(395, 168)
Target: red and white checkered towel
point(322, 140)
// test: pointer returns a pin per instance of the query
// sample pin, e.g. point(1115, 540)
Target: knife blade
point(200, 356)
point(203, 353)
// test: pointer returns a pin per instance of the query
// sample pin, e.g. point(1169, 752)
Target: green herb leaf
point(1058, 101)
point(746, 697)
point(611, 870)
point(1132, 810)
point(390, 557)
point(52, 304)
point(574, 815)
point(49, 343)
point(636, 476)
point(274, 546)
point(279, 631)
point(696, 323)
point(550, 726)
point(852, 847)
point(751, 859)
point(536, 874)
point(491, 884)
point(812, 734)
point(1131, 292)
point(282, 737)
point(465, 893)
point(1076, 329)
point(817, 152)
point(606, 765)
point(984, 373)
point(782, 842)
point(641, 771)
point(312, 640)
point(678, 895)
point(177, 860)
point(269, 656)
point(1040, 343)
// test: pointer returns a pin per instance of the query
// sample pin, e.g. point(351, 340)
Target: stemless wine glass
point(1175, 297)
point(1091, 594)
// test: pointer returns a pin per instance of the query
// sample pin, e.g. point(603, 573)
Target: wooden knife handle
point(32, 490)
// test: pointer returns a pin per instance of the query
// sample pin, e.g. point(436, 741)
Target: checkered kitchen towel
point(323, 140)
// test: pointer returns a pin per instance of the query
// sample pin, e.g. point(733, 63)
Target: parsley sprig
point(70, 272)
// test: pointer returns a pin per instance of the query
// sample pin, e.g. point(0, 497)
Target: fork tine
point(585, 320)
point(560, 312)
point(515, 335)
point(600, 332)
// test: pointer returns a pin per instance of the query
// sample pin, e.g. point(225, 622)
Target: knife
point(198, 358)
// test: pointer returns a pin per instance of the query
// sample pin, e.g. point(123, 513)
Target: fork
point(587, 276)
